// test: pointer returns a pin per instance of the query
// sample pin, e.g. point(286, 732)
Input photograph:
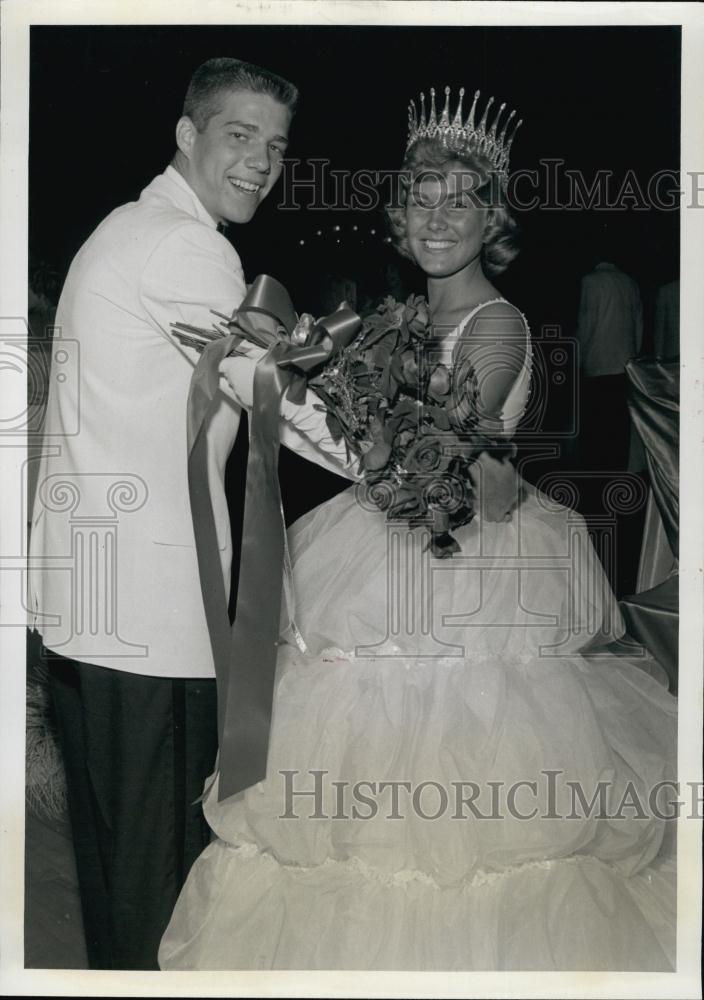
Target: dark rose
point(395, 314)
point(410, 367)
point(405, 437)
point(406, 501)
point(377, 456)
point(426, 455)
point(416, 314)
point(404, 368)
point(439, 384)
point(443, 546)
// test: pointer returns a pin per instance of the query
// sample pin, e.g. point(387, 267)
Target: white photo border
point(16, 17)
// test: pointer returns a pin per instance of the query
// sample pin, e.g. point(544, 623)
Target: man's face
point(235, 161)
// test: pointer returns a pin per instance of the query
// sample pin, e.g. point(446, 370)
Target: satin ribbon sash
point(245, 656)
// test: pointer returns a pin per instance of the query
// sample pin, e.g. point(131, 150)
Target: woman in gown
point(456, 780)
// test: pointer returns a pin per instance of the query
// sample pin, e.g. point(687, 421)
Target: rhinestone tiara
point(464, 137)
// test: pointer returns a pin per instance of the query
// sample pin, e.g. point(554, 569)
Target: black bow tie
point(221, 227)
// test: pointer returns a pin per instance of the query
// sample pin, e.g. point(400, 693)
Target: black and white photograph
point(350, 353)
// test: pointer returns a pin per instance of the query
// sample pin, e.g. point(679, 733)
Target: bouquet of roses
point(412, 421)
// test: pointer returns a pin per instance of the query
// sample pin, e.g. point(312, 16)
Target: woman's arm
point(495, 343)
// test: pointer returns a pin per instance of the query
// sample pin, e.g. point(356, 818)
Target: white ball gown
point(482, 780)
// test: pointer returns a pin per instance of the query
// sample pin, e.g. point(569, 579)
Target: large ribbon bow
point(245, 656)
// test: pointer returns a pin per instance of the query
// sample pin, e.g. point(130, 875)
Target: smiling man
point(231, 148)
point(114, 587)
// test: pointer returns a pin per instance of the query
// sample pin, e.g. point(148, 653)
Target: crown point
point(482, 123)
point(513, 136)
point(469, 124)
point(445, 117)
point(457, 120)
point(433, 119)
point(508, 121)
point(492, 131)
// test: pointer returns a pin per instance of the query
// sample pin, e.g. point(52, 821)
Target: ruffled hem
point(243, 909)
point(451, 739)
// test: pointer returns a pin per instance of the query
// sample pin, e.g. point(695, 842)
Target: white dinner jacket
point(113, 574)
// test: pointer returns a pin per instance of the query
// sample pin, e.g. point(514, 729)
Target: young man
point(115, 588)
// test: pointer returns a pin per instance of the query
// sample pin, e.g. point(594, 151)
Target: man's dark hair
point(218, 76)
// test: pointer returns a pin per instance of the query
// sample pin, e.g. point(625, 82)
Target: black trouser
point(137, 751)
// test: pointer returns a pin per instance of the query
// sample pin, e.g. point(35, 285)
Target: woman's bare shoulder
point(498, 318)
point(501, 309)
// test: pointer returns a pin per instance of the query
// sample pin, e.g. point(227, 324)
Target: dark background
point(105, 101)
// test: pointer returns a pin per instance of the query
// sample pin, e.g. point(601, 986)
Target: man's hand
point(238, 372)
point(497, 487)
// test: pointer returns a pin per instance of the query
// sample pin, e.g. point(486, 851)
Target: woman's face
point(445, 220)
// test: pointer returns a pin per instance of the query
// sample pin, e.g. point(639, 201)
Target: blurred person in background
point(610, 333)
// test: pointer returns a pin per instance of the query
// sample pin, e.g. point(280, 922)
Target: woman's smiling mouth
point(438, 246)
